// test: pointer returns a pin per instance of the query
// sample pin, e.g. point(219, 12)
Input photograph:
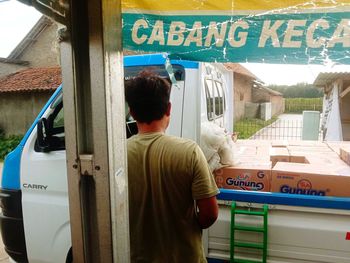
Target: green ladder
point(234, 227)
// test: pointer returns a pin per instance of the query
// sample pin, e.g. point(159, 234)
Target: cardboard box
point(263, 151)
point(245, 150)
point(296, 158)
point(335, 146)
point(279, 143)
point(306, 143)
point(310, 149)
point(345, 154)
point(309, 179)
point(330, 159)
point(254, 160)
point(253, 143)
point(279, 154)
point(244, 177)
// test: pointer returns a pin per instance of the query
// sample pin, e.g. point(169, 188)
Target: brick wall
point(278, 105)
point(242, 94)
point(262, 95)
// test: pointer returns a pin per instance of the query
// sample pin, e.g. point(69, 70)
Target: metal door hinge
point(86, 164)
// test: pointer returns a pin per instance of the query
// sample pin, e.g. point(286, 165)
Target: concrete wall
point(252, 110)
point(261, 95)
point(7, 68)
point(278, 105)
point(44, 52)
point(242, 94)
point(18, 110)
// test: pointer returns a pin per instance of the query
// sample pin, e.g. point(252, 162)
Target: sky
point(16, 19)
point(282, 74)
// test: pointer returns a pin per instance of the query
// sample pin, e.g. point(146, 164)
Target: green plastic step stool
point(234, 227)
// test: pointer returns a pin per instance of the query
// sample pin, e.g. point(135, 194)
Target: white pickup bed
point(316, 230)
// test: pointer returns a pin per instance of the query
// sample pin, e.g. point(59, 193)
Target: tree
point(300, 90)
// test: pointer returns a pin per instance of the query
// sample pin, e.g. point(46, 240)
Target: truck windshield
point(160, 70)
point(56, 118)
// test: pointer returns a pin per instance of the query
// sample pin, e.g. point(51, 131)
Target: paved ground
point(286, 127)
point(3, 256)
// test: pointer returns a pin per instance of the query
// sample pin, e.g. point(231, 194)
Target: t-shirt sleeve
point(203, 183)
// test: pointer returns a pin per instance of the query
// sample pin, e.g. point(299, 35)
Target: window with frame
point(215, 98)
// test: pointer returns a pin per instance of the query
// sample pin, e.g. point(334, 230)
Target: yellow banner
point(225, 5)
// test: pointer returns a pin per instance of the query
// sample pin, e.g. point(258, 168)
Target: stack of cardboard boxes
point(345, 154)
point(295, 167)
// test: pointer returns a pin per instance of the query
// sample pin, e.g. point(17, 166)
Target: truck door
point(44, 190)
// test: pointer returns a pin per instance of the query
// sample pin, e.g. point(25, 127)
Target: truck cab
point(35, 223)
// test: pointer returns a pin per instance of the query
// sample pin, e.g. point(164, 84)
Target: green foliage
point(300, 90)
point(298, 105)
point(248, 127)
point(8, 143)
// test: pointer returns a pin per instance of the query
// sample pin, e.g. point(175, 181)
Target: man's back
point(165, 175)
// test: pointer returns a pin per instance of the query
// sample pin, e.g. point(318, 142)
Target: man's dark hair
point(147, 95)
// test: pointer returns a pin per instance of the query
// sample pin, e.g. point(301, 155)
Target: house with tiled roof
point(39, 48)
point(29, 76)
point(23, 94)
point(250, 92)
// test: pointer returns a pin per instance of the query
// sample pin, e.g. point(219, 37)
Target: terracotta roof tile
point(33, 79)
point(238, 68)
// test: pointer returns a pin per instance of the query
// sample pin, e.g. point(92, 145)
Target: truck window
point(55, 121)
point(215, 98)
point(132, 71)
point(54, 129)
point(209, 97)
point(58, 121)
point(219, 99)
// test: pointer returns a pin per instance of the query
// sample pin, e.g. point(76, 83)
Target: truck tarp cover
point(292, 32)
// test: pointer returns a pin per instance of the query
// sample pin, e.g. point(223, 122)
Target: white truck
point(34, 194)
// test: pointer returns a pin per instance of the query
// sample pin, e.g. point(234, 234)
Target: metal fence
point(280, 129)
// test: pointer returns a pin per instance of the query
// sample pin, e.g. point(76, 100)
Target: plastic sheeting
point(293, 32)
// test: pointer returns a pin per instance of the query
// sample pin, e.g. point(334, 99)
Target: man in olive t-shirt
point(172, 193)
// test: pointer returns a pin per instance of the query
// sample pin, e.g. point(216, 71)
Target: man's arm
point(208, 211)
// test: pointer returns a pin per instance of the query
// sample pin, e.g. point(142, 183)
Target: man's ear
point(168, 110)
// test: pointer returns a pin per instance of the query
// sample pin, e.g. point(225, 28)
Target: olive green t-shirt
point(166, 175)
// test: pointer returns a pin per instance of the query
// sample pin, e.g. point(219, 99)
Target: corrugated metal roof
point(325, 78)
point(29, 80)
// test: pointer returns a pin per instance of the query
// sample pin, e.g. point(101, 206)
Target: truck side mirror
point(43, 137)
